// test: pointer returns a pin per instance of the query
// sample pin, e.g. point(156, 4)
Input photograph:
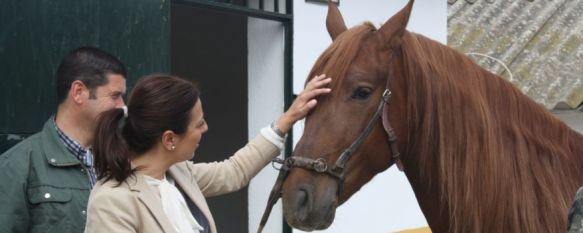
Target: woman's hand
point(305, 102)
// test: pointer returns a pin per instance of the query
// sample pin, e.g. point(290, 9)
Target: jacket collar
point(137, 183)
point(54, 149)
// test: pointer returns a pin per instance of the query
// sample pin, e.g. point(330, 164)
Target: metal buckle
point(386, 95)
point(320, 165)
point(277, 160)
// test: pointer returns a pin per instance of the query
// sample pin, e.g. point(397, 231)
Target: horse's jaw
point(308, 207)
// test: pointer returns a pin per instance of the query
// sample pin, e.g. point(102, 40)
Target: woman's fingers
point(308, 106)
point(304, 102)
point(308, 95)
point(306, 99)
point(318, 85)
point(318, 81)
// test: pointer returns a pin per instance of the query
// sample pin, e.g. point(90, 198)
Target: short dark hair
point(157, 103)
point(90, 65)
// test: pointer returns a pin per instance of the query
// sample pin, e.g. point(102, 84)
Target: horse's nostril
point(303, 197)
point(303, 204)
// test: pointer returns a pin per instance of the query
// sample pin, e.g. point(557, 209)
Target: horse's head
point(361, 63)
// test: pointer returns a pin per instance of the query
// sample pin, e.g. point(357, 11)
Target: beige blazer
point(134, 207)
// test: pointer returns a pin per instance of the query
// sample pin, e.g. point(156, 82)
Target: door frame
point(286, 18)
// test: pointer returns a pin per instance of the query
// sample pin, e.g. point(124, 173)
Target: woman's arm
point(236, 172)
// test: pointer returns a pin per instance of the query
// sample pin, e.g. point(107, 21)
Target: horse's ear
point(334, 21)
point(395, 27)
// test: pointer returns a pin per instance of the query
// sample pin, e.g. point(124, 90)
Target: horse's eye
point(361, 93)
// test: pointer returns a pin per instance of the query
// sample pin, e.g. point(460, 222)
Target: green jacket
point(43, 187)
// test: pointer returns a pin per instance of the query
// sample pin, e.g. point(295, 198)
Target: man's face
point(107, 97)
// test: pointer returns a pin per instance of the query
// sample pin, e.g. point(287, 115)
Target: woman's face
point(188, 142)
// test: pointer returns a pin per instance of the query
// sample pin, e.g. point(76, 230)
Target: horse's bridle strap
point(275, 191)
point(345, 156)
point(317, 165)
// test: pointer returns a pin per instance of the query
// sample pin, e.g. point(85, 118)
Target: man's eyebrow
point(116, 93)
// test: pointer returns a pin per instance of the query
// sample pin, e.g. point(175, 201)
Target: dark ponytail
point(110, 148)
point(156, 104)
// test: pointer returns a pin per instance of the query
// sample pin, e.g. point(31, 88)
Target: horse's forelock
point(337, 58)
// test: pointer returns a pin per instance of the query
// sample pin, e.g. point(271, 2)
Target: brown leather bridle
point(337, 170)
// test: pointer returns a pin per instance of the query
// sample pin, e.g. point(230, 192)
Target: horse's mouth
point(309, 217)
point(313, 222)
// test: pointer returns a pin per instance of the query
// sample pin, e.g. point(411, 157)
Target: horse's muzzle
point(308, 207)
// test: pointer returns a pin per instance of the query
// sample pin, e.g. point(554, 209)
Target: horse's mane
point(503, 163)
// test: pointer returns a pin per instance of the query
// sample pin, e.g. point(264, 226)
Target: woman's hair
point(157, 103)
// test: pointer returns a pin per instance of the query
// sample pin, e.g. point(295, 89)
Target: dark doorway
point(210, 48)
point(35, 36)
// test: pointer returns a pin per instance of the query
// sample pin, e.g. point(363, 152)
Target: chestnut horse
point(479, 155)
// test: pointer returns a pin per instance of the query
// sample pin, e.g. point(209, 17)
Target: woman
point(148, 184)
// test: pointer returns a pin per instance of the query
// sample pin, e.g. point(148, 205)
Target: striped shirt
point(84, 155)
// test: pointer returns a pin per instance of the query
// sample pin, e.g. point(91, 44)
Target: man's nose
point(120, 104)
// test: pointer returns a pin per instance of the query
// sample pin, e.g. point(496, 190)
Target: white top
point(174, 205)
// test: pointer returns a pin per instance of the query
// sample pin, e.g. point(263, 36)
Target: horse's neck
point(533, 135)
point(428, 196)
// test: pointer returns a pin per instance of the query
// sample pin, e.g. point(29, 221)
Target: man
point(46, 179)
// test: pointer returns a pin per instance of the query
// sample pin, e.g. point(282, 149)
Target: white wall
point(573, 118)
point(266, 101)
point(311, 38)
point(387, 203)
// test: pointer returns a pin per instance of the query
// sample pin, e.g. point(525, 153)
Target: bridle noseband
point(337, 170)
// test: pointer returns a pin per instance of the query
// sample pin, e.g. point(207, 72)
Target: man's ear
point(78, 91)
point(169, 140)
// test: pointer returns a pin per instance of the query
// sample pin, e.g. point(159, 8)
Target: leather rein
point(337, 170)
